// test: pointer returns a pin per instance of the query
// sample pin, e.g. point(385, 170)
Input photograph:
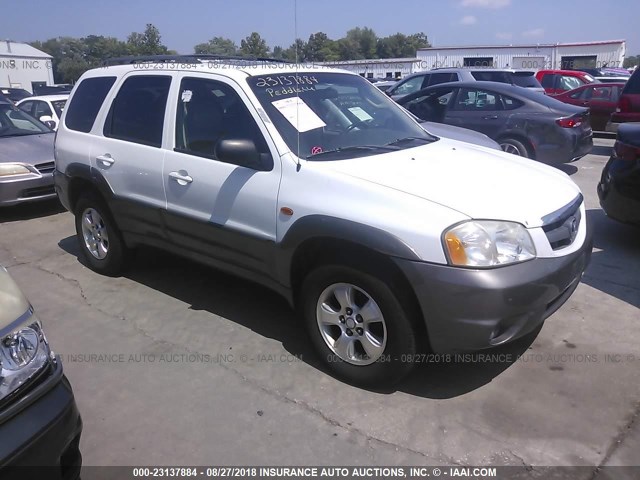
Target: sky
point(186, 23)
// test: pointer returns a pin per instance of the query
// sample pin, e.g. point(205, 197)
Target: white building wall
point(19, 72)
point(375, 68)
point(533, 56)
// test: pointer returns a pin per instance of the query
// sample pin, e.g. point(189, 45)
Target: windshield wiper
point(410, 139)
point(353, 148)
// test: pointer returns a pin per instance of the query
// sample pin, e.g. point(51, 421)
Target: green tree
point(631, 61)
point(278, 52)
point(147, 43)
point(254, 45)
point(217, 46)
point(320, 48)
point(297, 51)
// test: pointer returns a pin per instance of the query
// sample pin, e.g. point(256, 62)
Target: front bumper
point(468, 310)
point(41, 432)
point(619, 190)
point(26, 188)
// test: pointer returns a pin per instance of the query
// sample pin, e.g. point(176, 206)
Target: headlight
point(8, 169)
point(23, 354)
point(487, 243)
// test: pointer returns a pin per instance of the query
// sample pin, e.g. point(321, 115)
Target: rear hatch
point(628, 109)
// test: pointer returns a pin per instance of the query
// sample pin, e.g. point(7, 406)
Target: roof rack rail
point(192, 58)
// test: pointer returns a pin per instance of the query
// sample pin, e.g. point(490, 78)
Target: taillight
point(569, 122)
point(626, 152)
point(624, 105)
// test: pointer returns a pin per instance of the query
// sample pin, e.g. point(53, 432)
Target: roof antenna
point(295, 43)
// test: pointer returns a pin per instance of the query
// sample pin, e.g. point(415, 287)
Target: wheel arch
point(348, 243)
point(520, 138)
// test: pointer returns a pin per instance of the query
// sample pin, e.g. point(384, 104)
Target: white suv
point(388, 239)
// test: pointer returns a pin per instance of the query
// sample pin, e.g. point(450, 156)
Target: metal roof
point(9, 48)
point(530, 45)
point(371, 60)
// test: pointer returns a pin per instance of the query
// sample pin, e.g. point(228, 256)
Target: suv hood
point(12, 302)
point(475, 181)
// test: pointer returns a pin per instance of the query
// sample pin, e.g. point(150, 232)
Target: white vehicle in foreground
point(46, 108)
point(389, 240)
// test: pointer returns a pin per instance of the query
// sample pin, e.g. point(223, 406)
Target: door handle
point(106, 159)
point(180, 178)
point(490, 117)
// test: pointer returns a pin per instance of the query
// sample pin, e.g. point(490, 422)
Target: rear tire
point(515, 147)
point(100, 241)
point(358, 326)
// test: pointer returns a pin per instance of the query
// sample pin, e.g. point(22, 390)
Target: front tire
point(100, 241)
point(358, 326)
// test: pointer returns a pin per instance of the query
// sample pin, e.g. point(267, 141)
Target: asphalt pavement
point(177, 364)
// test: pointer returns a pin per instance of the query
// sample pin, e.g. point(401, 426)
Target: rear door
point(478, 109)
point(128, 152)
point(222, 210)
point(602, 103)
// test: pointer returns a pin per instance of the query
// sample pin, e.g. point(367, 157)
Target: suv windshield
point(335, 115)
point(14, 122)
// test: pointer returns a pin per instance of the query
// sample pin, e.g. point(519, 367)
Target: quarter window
point(86, 103)
point(137, 112)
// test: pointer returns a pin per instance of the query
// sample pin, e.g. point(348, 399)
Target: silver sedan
point(26, 157)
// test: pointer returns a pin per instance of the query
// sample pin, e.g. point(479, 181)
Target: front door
point(221, 210)
point(477, 109)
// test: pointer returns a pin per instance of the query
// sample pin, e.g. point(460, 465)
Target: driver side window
point(208, 112)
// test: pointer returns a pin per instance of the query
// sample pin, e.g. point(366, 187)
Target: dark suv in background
point(628, 109)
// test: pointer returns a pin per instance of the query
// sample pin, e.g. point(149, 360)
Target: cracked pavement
point(177, 364)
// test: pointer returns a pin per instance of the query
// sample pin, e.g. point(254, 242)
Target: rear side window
point(86, 103)
point(137, 112)
point(437, 78)
point(569, 83)
point(633, 84)
point(502, 77)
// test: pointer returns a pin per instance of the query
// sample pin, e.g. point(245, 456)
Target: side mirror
point(48, 121)
point(241, 152)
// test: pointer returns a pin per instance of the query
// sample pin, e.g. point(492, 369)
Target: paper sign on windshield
point(360, 114)
point(299, 114)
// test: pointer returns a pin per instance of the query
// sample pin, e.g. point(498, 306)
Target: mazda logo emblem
point(574, 225)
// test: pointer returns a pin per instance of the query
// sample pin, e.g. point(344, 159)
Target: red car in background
point(556, 82)
point(600, 98)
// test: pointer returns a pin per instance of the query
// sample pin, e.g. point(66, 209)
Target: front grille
point(46, 167)
point(561, 227)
